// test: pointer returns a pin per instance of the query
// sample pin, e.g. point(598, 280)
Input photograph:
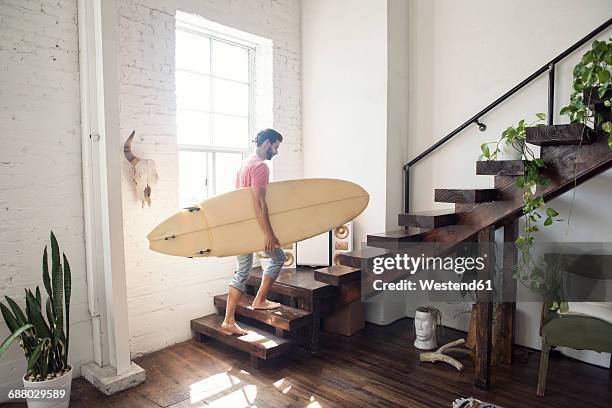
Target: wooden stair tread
point(337, 275)
point(357, 258)
point(466, 196)
point(559, 135)
point(257, 342)
point(285, 317)
point(428, 219)
point(400, 235)
point(500, 167)
point(299, 282)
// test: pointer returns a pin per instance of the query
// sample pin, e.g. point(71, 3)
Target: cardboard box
point(347, 320)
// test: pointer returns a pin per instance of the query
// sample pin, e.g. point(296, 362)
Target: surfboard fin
point(192, 209)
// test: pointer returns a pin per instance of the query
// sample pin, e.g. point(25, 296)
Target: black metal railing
point(550, 67)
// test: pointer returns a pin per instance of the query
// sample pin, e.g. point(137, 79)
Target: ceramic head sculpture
point(145, 174)
point(426, 320)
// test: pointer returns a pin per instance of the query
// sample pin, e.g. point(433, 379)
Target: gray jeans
point(245, 263)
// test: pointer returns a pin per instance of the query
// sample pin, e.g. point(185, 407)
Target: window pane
point(227, 165)
point(230, 131)
point(193, 127)
point(192, 177)
point(230, 61)
point(192, 52)
point(192, 91)
point(230, 97)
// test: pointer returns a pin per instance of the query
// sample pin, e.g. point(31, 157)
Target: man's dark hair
point(268, 134)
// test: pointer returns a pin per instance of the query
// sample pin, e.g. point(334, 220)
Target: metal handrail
point(550, 67)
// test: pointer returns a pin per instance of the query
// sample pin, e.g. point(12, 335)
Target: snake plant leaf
point(38, 298)
point(50, 316)
point(57, 281)
point(67, 293)
point(40, 326)
point(46, 278)
point(9, 318)
point(10, 339)
point(36, 354)
point(19, 316)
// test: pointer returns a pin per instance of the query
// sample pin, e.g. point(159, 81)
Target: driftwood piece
point(440, 356)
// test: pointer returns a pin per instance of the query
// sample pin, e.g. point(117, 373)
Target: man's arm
point(261, 209)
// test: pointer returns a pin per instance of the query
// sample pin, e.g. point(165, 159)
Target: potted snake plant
point(44, 342)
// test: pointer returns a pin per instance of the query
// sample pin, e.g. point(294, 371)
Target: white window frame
point(211, 150)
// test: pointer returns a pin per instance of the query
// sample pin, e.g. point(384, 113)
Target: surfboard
point(226, 224)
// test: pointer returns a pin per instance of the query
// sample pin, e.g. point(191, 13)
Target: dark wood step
point(473, 196)
point(428, 219)
point(298, 283)
point(558, 135)
point(258, 343)
point(393, 239)
point(500, 168)
point(363, 256)
point(285, 317)
point(337, 275)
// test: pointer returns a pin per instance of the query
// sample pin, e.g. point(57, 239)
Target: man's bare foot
point(266, 305)
point(233, 329)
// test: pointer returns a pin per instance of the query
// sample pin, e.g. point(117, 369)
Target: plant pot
point(507, 151)
point(425, 328)
point(41, 394)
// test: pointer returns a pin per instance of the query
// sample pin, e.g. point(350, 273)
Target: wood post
point(484, 311)
point(543, 368)
point(508, 305)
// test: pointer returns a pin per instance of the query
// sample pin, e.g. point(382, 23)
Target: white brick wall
point(40, 161)
point(164, 293)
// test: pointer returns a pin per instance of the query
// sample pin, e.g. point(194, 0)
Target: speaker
point(342, 241)
point(290, 255)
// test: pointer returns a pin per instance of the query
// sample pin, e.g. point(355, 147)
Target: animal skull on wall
point(145, 174)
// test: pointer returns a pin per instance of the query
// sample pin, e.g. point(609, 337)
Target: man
point(254, 173)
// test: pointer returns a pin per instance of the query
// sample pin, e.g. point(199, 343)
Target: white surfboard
point(227, 225)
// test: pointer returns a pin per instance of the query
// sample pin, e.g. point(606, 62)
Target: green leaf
point(40, 326)
point(548, 221)
point(57, 281)
point(607, 103)
point(10, 339)
point(520, 181)
point(607, 127)
point(551, 212)
point(610, 142)
point(36, 354)
point(19, 316)
point(67, 293)
point(38, 298)
point(541, 116)
point(539, 163)
point(46, 279)
point(9, 318)
point(485, 150)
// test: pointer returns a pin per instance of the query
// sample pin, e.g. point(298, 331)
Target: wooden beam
point(484, 312)
point(508, 305)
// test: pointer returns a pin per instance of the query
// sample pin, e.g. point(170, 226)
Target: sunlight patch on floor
point(218, 388)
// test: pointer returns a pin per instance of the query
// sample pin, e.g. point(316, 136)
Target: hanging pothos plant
point(528, 270)
point(592, 83)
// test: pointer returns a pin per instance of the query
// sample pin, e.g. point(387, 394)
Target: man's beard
point(269, 153)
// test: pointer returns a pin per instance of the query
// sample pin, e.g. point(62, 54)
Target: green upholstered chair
point(575, 331)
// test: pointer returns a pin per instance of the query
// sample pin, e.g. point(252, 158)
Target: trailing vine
point(527, 269)
point(592, 82)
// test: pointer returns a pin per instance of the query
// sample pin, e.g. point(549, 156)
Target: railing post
point(551, 93)
point(407, 189)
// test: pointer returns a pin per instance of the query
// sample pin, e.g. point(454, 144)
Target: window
point(213, 110)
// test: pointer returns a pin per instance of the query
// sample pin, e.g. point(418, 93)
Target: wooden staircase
point(307, 295)
point(572, 154)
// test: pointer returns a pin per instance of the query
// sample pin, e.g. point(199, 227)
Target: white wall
point(463, 56)
point(344, 91)
point(40, 163)
point(164, 293)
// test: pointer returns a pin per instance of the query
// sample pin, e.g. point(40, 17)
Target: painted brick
point(176, 290)
point(40, 162)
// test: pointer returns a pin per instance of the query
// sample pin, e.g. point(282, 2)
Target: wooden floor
point(377, 367)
